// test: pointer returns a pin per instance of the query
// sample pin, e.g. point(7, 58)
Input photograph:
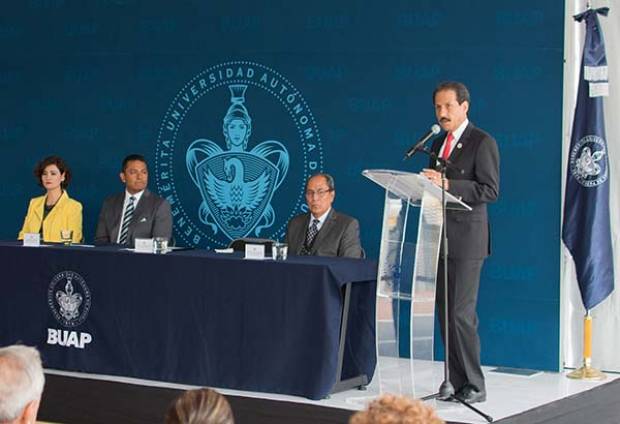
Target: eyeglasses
point(317, 193)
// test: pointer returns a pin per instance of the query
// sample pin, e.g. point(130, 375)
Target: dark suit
point(469, 244)
point(151, 218)
point(339, 236)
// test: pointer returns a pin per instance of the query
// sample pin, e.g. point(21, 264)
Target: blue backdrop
point(337, 86)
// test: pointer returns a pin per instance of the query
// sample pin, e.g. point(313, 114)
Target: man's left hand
point(435, 177)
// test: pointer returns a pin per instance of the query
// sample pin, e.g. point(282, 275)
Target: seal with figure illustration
point(234, 151)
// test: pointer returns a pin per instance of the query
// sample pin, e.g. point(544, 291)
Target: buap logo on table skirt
point(69, 299)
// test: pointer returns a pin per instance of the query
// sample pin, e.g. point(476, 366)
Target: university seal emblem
point(237, 185)
point(588, 161)
point(232, 138)
point(69, 298)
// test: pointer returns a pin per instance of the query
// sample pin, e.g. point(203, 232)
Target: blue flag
point(586, 229)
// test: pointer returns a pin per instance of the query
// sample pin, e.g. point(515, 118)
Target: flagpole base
point(587, 373)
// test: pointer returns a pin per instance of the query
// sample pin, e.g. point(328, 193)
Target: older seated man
point(323, 231)
point(21, 384)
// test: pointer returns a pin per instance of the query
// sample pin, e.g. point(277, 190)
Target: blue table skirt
point(194, 317)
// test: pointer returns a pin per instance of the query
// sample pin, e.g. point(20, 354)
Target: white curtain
point(606, 316)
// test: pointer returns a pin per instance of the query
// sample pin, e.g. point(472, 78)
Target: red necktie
point(447, 146)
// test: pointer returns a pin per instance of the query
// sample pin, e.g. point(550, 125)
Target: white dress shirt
point(457, 136)
point(321, 219)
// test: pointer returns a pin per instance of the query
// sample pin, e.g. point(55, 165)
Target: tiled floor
point(507, 394)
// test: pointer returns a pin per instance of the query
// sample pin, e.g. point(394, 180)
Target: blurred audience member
point(55, 211)
point(21, 384)
point(391, 409)
point(203, 406)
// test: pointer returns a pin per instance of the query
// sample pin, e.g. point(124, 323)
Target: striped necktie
point(127, 220)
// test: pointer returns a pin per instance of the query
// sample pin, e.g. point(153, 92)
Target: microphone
point(435, 129)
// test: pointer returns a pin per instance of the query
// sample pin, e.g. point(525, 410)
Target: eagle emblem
point(587, 164)
point(69, 301)
point(237, 185)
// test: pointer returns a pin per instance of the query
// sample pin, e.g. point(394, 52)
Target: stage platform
point(548, 398)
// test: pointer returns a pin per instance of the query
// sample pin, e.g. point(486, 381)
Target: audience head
point(52, 172)
point(391, 409)
point(202, 406)
point(21, 384)
point(134, 173)
point(320, 194)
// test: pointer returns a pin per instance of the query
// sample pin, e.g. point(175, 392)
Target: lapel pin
point(458, 146)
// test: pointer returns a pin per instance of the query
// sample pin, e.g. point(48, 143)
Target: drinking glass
point(160, 245)
point(279, 251)
point(66, 236)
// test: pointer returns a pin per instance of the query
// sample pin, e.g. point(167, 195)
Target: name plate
point(254, 251)
point(32, 239)
point(144, 245)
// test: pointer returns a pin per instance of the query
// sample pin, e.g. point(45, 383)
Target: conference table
point(301, 326)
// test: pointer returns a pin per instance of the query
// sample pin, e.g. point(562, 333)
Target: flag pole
point(586, 228)
point(586, 372)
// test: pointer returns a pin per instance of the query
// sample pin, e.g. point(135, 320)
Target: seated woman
point(54, 211)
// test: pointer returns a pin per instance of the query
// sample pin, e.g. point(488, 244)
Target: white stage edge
point(507, 394)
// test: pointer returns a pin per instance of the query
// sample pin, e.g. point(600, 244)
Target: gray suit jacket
point(339, 236)
point(151, 218)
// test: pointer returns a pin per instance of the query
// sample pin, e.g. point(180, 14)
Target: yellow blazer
point(66, 215)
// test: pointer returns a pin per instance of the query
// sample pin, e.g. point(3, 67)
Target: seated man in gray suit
point(136, 213)
point(323, 231)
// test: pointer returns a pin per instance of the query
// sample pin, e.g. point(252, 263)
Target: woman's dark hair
point(53, 160)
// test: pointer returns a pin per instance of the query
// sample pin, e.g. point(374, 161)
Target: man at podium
point(474, 177)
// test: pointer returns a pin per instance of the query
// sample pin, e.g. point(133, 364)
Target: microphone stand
point(446, 390)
